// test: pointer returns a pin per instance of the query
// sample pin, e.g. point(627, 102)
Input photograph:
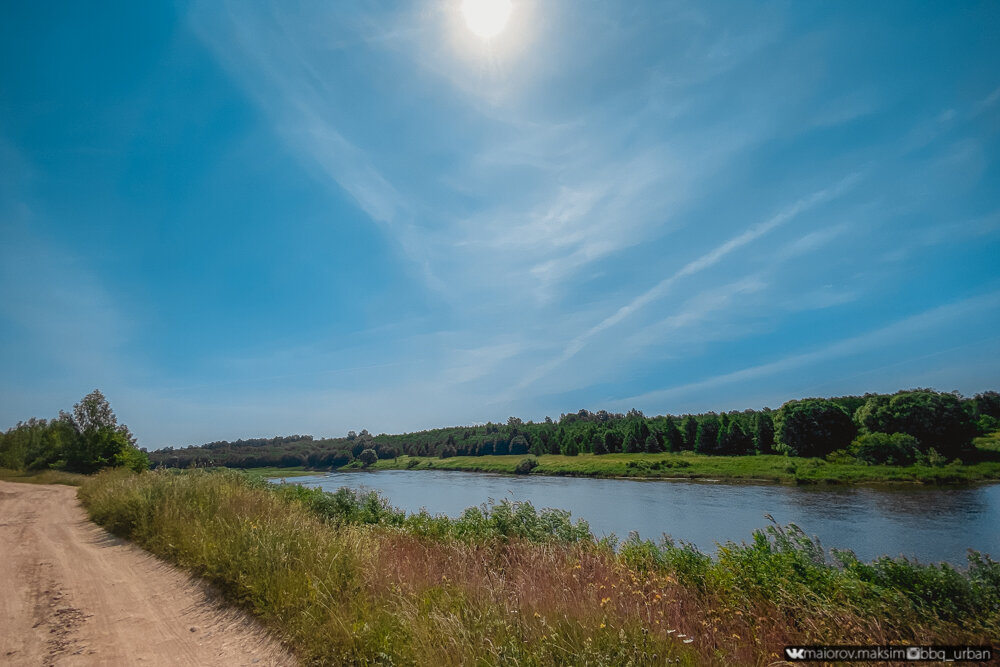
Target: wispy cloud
point(986, 103)
point(691, 317)
point(265, 51)
point(809, 242)
point(606, 196)
point(702, 263)
point(575, 189)
point(345, 164)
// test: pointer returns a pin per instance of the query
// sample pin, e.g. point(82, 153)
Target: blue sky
point(243, 218)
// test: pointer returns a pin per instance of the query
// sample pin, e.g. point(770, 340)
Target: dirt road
point(72, 594)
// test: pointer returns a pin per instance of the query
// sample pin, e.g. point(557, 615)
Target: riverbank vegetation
point(344, 578)
point(918, 435)
point(85, 441)
point(688, 465)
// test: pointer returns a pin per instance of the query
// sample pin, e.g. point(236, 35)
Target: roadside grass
point(688, 465)
point(42, 477)
point(344, 578)
point(342, 592)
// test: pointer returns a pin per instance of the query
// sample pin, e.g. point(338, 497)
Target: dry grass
point(42, 477)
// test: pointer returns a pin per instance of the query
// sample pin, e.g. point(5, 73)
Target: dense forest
point(910, 426)
point(85, 441)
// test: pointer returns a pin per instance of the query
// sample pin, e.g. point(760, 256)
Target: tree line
point(910, 426)
point(86, 440)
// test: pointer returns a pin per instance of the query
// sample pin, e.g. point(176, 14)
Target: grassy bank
point(688, 465)
point(272, 472)
point(345, 579)
point(42, 477)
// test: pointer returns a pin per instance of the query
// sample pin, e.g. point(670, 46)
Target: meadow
point(344, 578)
point(689, 465)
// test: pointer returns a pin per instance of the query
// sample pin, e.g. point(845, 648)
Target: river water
point(930, 524)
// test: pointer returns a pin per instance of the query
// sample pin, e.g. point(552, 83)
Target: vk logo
point(795, 653)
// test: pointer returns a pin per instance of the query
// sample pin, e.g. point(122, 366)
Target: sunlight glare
point(486, 18)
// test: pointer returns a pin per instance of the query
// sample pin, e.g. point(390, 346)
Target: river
point(930, 524)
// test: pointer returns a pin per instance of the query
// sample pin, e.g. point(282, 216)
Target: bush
point(898, 449)
point(368, 457)
point(987, 424)
point(525, 465)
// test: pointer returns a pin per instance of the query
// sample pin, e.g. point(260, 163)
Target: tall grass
point(345, 578)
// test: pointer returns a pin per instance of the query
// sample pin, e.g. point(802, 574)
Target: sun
point(486, 18)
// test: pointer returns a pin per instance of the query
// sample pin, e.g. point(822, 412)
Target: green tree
point(672, 436)
point(101, 441)
point(58, 439)
point(813, 427)
point(987, 403)
point(763, 435)
point(937, 420)
point(571, 447)
point(689, 427)
point(597, 446)
point(368, 457)
point(636, 432)
point(734, 440)
point(501, 447)
point(612, 442)
point(653, 445)
point(707, 439)
point(632, 444)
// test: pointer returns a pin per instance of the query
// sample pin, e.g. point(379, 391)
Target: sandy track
point(72, 594)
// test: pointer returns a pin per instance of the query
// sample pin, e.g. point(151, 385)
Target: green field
point(297, 471)
point(688, 465)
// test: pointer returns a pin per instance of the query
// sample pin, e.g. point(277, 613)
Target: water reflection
point(929, 524)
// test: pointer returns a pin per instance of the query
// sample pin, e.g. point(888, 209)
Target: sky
point(246, 219)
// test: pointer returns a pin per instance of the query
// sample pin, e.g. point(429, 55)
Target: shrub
point(898, 449)
point(368, 457)
point(525, 465)
point(932, 458)
point(987, 424)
